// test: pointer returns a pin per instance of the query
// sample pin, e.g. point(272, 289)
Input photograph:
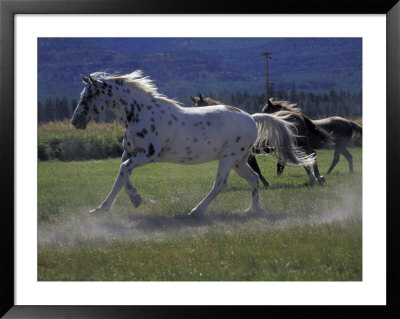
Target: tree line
point(340, 103)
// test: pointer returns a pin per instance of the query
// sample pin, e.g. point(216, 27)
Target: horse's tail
point(356, 133)
point(317, 136)
point(356, 128)
point(275, 132)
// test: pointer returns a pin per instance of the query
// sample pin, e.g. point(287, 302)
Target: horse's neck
point(125, 99)
point(128, 102)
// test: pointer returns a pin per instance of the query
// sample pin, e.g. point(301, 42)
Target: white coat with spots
point(158, 129)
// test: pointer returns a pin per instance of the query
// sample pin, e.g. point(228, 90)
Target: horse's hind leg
point(310, 174)
point(224, 168)
point(320, 178)
point(244, 171)
point(254, 165)
point(349, 158)
point(335, 160)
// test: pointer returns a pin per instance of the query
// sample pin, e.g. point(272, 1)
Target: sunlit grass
point(304, 232)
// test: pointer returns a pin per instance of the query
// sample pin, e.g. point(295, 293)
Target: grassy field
point(305, 233)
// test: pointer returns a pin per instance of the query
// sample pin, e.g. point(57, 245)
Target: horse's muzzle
point(79, 123)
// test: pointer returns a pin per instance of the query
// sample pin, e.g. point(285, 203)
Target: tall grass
point(60, 140)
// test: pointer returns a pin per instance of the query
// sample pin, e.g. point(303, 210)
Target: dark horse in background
point(308, 136)
point(340, 129)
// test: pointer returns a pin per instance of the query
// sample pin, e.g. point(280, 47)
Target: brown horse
point(340, 129)
point(308, 136)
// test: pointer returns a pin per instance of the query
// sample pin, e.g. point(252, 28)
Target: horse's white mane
point(286, 104)
point(135, 79)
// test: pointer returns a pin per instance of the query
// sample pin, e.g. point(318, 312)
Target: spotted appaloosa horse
point(158, 129)
point(308, 135)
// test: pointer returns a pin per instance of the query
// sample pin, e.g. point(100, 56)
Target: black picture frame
point(9, 8)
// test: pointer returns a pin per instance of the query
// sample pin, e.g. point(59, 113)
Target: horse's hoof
point(136, 200)
point(265, 183)
point(321, 180)
point(195, 212)
point(96, 211)
point(253, 210)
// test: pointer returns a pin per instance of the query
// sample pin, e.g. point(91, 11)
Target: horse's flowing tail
point(356, 128)
point(275, 132)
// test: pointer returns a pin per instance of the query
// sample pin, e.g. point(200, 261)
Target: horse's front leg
point(140, 158)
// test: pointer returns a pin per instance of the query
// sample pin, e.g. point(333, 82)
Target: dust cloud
point(131, 227)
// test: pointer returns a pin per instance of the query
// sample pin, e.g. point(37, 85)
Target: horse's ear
point(201, 97)
point(94, 81)
point(193, 99)
point(269, 102)
point(85, 79)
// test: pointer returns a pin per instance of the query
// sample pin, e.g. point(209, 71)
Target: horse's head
point(271, 107)
point(89, 105)
point(199, 101)
point(274, 106)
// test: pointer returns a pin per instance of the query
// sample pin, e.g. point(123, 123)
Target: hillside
point(182, 67)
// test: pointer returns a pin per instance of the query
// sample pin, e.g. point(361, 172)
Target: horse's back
point(340, 128)
point(207, 132)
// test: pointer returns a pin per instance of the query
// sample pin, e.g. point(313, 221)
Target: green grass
point(304, 232)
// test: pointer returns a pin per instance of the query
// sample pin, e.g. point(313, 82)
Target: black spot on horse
point(150, 150)
point(152, 128)
point(242, 149)
point(195, 140)
point(123, 102)
point(149, 107)
point(237, 139)
point(208, 123)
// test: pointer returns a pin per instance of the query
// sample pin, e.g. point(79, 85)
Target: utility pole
point(267, 57)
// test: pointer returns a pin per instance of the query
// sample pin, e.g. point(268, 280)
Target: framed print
point(94, 91)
